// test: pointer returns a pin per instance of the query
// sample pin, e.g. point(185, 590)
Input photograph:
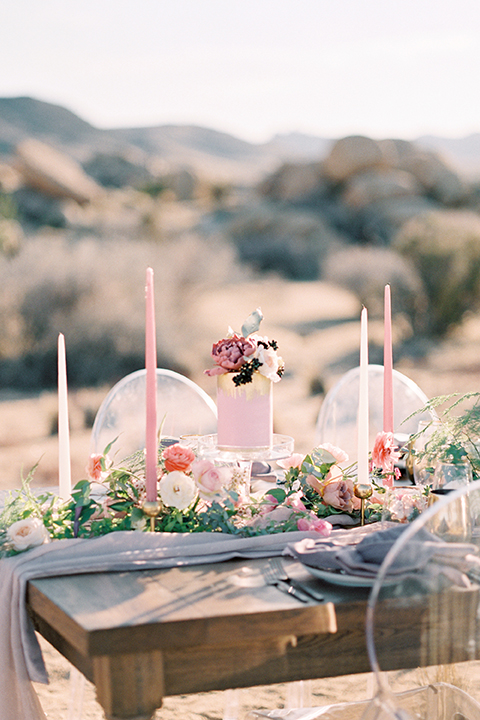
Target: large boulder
point(53, 173)
point(379, 184)
point(436, 177)
point(352, 155)
point(294, 182)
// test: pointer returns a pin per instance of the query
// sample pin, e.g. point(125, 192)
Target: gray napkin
point(20, 655)
point(365, 557)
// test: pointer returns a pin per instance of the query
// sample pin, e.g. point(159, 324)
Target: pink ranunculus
point(312, 522)
point(339, 454)
point(178, 457)
point(339, 494)
point(384, 453)
point(294, 461)
point(95, 468)
point(295, 501)
point(230, 354)
point(211, 481)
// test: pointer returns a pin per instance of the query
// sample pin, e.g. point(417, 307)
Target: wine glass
point(422, 466)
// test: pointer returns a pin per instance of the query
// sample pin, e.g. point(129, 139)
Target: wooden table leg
point(129, 686)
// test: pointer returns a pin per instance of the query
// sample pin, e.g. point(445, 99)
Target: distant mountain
point(209, 152)
point(462, 153)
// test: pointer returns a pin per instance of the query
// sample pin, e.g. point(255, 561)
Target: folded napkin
point(20, 655)
point(363, 556)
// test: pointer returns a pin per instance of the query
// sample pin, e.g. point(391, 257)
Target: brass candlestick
point(363, 491)
point(152, 508)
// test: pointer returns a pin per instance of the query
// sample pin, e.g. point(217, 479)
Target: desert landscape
point(227, 227)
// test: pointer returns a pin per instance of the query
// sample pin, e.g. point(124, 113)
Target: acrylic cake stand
point(282, 447)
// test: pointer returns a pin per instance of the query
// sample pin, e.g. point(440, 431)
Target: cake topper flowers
point(246, 353)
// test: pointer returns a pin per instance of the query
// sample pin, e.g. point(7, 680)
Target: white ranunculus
point(271, 362)
point(27, 533)
point(177, 490)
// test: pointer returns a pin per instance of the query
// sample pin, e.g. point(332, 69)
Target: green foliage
point(444, 247)
point(456, 437)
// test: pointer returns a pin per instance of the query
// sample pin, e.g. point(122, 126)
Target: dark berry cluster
point(245, 373)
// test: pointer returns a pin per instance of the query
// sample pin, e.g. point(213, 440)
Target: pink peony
point(384, 453)
point(177, 457)
point(294, 461)
point(210, 480)
point(230, 354)
point(312, 522)
point(339, 494)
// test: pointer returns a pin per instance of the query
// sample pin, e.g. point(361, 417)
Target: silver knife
point(287, 587)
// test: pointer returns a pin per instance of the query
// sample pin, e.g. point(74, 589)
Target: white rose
point(27, 533)
point(177, 490)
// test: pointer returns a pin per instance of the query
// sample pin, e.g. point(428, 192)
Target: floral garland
point(195, 495)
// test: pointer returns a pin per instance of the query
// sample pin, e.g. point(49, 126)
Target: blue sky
point(252, 68)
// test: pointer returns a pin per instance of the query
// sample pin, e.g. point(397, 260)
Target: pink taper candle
point(362, 417)
point(387, 364)
point(64, 465)
point(151, 392)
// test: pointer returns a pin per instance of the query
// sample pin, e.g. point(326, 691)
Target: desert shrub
point(444, 247)
point(93, 292)
point(288, 242)
point(366, 270)
point(116, 171)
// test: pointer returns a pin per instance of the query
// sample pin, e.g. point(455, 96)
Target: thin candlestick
point(387, 364)
point(64, 465)
point(151, 392)
point(362, 418)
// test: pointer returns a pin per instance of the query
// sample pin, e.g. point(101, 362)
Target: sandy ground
point(317, 328)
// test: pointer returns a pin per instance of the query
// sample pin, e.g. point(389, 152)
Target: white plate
point(338, 578)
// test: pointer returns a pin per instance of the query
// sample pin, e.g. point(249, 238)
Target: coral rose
point(96, 467)
point(230, 354)
point(384, 453)
point(178, 457)
point(27, 533)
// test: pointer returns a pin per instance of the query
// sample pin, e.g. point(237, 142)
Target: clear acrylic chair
point(337, 419)
point(423, 626)
point(183, 408)
point(433, 614)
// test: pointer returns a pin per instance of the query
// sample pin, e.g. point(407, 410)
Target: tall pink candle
point(387, 364)
point(362, 417)
point(151, 391)
point(64, 465)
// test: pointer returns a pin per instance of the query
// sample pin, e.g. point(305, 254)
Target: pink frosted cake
point(246, 365)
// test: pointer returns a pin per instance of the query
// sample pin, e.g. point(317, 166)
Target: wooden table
point(141, 635)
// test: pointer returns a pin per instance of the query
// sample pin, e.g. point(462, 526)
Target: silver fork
point(277, 565)
point(273, 577)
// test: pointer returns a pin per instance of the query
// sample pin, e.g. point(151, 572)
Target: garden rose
point(312, 522)
point(27, 533)
point(339, 494)
point(178, 457)
point(335, 473)
point(230, 354)
point(210, 480)
point(384, 453)
point(177, 490)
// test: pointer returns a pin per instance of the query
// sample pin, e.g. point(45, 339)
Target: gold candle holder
point(152, 508)
point(363, 491)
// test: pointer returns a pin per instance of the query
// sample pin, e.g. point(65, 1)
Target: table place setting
point(195, 499)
